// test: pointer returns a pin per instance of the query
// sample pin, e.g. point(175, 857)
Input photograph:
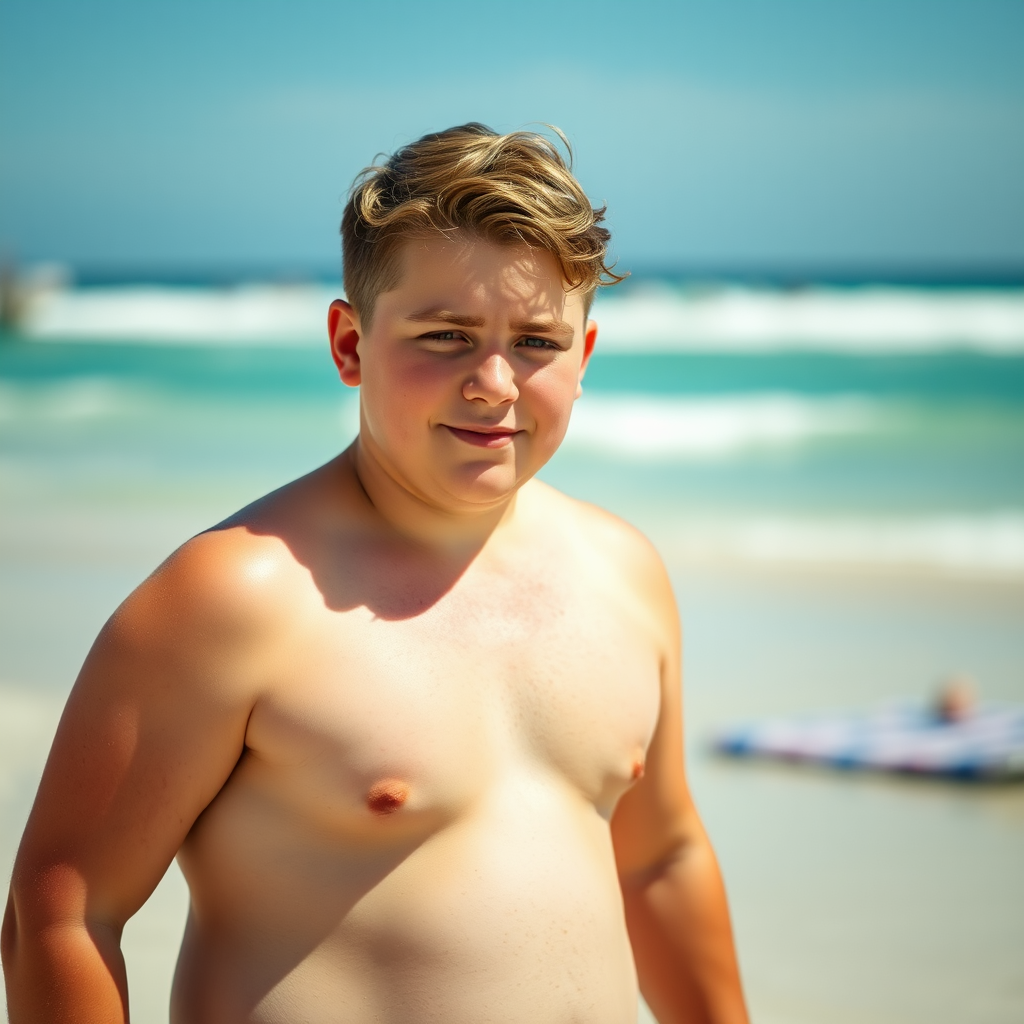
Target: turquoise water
point(784, 432)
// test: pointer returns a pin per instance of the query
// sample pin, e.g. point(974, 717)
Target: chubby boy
point(411, 724)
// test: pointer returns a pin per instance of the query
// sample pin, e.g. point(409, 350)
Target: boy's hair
point(508, 189)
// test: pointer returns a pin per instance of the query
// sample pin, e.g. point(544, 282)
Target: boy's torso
point(417, 830)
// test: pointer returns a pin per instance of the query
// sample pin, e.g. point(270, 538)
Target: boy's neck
point(452, 532)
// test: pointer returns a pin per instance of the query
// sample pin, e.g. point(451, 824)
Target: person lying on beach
point(411, 724)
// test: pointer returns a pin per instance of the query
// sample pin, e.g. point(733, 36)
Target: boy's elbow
point(41, 898)
point(17, 932)
point(19, 945)
point(48, 941)
point(673, 850)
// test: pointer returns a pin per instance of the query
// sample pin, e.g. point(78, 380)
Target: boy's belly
point(509, 911)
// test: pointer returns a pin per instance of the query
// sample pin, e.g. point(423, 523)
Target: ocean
point(857, 426)
point(834, 475)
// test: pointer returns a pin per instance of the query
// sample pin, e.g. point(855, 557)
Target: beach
point(834, 540)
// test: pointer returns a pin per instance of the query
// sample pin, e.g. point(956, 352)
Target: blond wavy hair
point(508, 189)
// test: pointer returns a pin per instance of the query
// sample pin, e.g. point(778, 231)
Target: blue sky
point(721, 134)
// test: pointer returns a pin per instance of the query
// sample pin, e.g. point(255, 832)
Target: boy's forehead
point(480, 278)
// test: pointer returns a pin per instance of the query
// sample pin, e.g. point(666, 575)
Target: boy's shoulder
point(239, 578)
point(609, 547)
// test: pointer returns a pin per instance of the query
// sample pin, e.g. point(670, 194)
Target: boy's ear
point(344, 332)
point(589, 340)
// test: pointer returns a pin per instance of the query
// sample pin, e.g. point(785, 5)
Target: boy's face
point(468, 371)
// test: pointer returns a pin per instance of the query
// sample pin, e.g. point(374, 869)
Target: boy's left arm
point(676, 908)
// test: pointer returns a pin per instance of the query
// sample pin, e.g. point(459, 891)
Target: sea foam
point(648, 317)
point(867, 320)
point(657, 427)
point(989, 544)
point(268, 314)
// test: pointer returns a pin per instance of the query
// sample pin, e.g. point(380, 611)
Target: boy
point(411, 724)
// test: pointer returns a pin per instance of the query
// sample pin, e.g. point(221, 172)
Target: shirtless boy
point(410, 724)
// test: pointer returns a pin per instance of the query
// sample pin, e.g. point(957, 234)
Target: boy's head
point(470, 262)
point(469, 181)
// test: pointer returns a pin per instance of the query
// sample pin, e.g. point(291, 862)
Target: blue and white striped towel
point(899, 737)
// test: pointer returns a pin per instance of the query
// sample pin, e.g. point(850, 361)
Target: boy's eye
point(537, 343)
point(445, 340)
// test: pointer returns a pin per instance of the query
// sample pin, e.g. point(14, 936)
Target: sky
point(722, 135)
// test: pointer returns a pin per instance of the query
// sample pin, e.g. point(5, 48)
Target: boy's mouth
point(484, 437)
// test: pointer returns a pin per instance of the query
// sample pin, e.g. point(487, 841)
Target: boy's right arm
point(153, 727)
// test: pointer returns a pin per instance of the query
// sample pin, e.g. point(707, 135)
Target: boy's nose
point(492, 381)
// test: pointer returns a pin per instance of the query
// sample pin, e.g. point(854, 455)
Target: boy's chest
point(556, 679)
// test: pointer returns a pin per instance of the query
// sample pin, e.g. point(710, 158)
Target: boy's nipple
point(387, 796)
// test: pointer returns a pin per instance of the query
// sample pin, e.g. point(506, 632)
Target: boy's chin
point(475, 489)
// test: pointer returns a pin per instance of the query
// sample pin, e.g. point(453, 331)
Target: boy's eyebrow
point(558, 327)
point(447, 316)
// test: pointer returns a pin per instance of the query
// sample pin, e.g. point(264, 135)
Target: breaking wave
point(987, 544)
point(647, 318)
point(857, 320)
point(665, 427)
point(258, 313)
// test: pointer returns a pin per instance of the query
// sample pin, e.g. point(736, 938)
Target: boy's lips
point(484, 437)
